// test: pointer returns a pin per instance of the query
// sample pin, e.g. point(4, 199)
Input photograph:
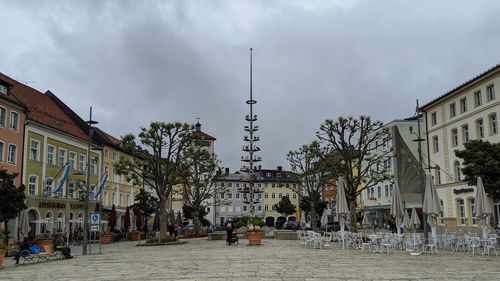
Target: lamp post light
point(86, 216)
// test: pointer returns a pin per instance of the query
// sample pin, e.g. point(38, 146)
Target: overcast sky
point(139, 61)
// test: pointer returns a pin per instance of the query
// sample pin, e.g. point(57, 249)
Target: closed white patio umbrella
point(397, 208)
point(342, 207)
point(414, 220)
point(483, 209)
point(302, 219)
point(432, 204)
point(24, 226)
point(324, 217)
point(406, 220)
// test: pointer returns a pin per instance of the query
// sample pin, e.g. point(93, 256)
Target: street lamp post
point(86, 216)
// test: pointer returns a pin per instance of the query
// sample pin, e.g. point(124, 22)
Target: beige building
point(468, 112)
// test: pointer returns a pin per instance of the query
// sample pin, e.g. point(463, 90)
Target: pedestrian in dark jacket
point(229, 230)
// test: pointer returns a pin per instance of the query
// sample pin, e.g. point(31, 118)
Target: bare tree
point(157, 161)
point(306, 164)
point(350, 148)
point(201, 170)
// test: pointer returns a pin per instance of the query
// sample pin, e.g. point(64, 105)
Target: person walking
point(176, 230)
point(229, 230)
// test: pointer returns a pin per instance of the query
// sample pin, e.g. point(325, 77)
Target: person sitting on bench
point(23, 246)
point(65, 250)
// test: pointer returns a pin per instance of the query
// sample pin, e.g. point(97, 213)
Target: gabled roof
point(9, 97)
point(44, 110)
point(462, 86)
point(203, 136)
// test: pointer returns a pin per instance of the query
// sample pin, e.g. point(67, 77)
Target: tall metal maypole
point(250, 148)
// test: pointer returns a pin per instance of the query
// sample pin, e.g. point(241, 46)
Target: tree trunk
point(197, 222)
point(163, 217)
point(352, 212)
point(313, 216)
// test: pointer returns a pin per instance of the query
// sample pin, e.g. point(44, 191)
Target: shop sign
point(463, 190)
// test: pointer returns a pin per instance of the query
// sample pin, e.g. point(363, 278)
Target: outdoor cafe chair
point(387, 242)
point(473, 244)
point(317, 241)
point(431, 245)
point(327, 239)
point(461, 243)
point(491, 245)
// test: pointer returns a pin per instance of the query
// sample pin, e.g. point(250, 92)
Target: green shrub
point(258, 222)
point(239, 224)
point(163, 240)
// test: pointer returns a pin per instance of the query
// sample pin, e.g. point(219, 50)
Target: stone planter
point(106, 238)
point(134, 236)
point(254, 238)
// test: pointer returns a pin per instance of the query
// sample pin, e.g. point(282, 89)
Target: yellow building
point(276, 184)
point(117, 190)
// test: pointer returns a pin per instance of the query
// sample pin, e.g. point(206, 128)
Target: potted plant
point(254, 233)
point(134, 235)
point(106, 237)
point(2, 248)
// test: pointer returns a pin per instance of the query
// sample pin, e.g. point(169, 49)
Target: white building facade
point(468, 112)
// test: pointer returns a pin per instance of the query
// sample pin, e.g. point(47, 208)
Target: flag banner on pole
point(64, 177)
point(103, 180)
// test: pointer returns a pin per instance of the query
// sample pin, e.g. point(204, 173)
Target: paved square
point(274, 260)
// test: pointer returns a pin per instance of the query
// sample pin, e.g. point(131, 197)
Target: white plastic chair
point(317, 241)
point(474, 243)
point(491, 245)
point(431, 245)
point(327, 239)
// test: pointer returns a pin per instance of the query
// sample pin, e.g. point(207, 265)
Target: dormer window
point(4, 89)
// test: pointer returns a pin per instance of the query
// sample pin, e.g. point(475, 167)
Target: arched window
point(461, 211)
point(456, 169)
point(70, 193)
point(60, 221)
point(48, 226)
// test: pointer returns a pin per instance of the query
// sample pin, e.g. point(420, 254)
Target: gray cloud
point(138, 61)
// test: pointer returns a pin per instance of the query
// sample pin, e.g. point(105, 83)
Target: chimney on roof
point(227, 171)
point(198, 126)
point(280, 168)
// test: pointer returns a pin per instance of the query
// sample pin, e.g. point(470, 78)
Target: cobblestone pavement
point(274, 260)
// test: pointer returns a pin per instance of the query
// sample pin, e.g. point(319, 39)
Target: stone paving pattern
point(274, 260)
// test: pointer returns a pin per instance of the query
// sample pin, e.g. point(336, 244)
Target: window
point(386, 190)
point(244, 208)
point(237, 195)
point(3, 117)
point(372, 192)
point(47, 186)
point(34, 150)
point(259, 208)
point(71, 189)
point(273, 185)
point(280, 196)
point(81, 162)
point(465, 133)
point(230, 196)
point(379, 191)
point(472, 208)
point(113, 198)
point(105, 198)
point(294, 196)
point(480, 128)
point(106, 169)
point(222, 196)
point(266, 207)
point(32, 185)
point(114, 155)
point(437, 175)
point(72, 160)
point(463, 105)
point(453, 111)
point(456, 169)
point(12, 155)
point(229, 184)
point(120, 202)
point(493, 124)
point(2, 146)
point(62, 157)
point(391, 189)
point(454, 137)
point(435, 144)
point(14, 121)
point(273, 195)
point(93, 165)
point(50, 154)
point(221, 184)
point(490, 92)
point(461, 211)
point(3, 89)
point(478, 100)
